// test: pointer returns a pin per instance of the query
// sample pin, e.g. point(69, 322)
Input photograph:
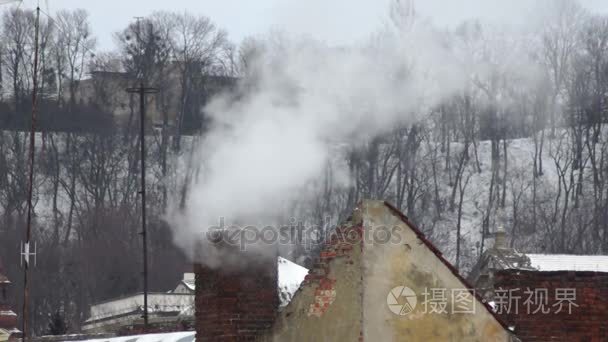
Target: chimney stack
point(236, 303)
point(500, 238)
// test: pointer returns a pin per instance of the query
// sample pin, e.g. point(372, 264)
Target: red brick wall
point(7, 321)
point(236, 304)
point(588, 322)
point(341, 243)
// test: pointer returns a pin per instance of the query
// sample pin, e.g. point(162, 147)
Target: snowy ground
point(520, 175)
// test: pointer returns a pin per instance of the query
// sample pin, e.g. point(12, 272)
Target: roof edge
point(554, 273)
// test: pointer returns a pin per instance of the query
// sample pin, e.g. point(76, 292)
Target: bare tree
point(198, 47)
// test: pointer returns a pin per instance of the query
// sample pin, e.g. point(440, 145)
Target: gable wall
point(407, 261)
point(344, 297)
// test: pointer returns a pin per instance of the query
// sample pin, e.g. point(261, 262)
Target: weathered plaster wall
point(344, 298)
point(407, 261)
point(327, 307)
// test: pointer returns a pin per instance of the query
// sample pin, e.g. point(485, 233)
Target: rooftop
point(187, 336)
point(563, 262)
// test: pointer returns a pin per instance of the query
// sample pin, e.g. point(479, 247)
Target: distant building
point(170, 311)
point(184, 336)
point(186, 286)
point(8, 318)
point(174, 310)
point(545, 297)
point(499, 257)
point(106, 91)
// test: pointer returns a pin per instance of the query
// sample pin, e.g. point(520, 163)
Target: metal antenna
point(142, 91)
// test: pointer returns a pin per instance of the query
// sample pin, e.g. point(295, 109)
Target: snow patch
point(563, 262)
point(291, 275)
point(187, 336)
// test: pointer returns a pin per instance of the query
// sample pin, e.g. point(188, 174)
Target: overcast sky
point(335, 21)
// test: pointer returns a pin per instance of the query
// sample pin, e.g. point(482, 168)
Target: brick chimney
point(236, 303)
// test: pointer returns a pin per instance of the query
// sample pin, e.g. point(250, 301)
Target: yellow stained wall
point(406, 261)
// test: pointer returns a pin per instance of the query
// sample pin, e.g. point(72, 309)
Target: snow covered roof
point(187, 336)
point(186, 285)
point(163, 303)
point(8, 332)
point(563, 262)
point(189, 283)
point(291, 275)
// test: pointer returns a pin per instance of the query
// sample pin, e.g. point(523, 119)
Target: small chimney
point(500, 238)
point(236, 303)
point(188, 276)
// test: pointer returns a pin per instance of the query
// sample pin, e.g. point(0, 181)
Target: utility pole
point(28, 229)
point(142, 91)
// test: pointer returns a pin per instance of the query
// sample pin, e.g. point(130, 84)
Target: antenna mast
point(28, 229)
point(142, 91)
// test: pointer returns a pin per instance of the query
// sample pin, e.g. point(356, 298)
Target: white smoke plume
point(301, 96)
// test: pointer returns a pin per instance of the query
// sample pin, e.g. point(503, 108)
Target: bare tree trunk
point(462, 188)
point(504, 173)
